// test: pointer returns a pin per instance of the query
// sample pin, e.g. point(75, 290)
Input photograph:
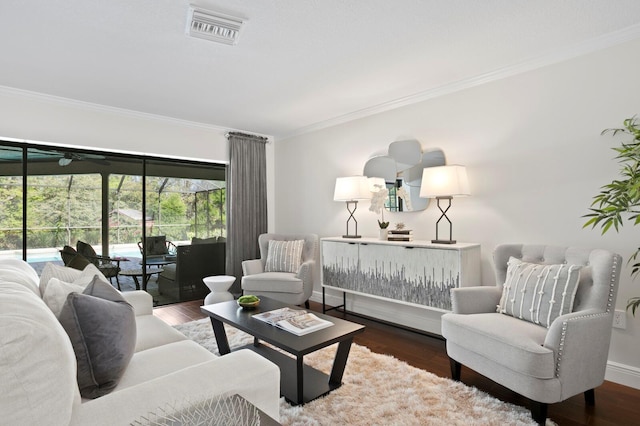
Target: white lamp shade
point(444, 181)
point(352, 188)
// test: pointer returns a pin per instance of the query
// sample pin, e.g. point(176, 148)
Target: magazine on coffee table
point(296, 321)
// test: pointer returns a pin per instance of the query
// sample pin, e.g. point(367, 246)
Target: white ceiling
point(299, 64)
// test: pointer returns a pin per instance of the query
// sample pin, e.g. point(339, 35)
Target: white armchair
point(546, 363)
point(293, 286)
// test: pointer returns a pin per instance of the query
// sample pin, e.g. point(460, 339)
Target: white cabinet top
point(414, 243)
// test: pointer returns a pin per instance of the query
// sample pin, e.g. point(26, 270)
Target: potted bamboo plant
point(619, 201)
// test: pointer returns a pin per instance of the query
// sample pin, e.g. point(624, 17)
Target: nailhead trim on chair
point(564, 333)
point(561, 348)
point(614, 271)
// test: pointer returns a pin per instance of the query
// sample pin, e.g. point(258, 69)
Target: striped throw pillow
point(539, 293)
point(284, 256)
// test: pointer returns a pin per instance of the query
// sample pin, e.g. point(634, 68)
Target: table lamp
point(444, 183)
point(351, 189)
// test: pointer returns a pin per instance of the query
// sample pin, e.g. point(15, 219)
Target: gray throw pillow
point(539, 293)
point(102, 328)
point(284, 256)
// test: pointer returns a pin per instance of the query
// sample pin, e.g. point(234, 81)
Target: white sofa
point(38, 365)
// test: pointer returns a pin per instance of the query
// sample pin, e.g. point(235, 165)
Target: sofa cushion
point(102, 329)
point(504, 340)
point(73, 259)
point(87, 251)
point(284, 256)
point(38, 383)
point(169, 271)
point(152, 332)
point(278, 282)
point(539, 293)
point(79, 262)
point(196, 240)
point(162, 360)
point(20, 272)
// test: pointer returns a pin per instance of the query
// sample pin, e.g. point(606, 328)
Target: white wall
point(37, 118)
point(534, 155)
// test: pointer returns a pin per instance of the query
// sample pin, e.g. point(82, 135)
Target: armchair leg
point(306, 304)
point(456, 367)
point(539, 412)
point(590, 397)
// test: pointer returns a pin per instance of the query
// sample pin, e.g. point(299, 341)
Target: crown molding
point(74, 103)
point(559, 55)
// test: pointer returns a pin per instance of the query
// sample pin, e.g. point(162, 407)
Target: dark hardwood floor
point(615, 404)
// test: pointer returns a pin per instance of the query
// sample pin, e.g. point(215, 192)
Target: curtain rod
point(247, 135)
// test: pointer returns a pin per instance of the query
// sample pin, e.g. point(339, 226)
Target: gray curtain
point(247, 201)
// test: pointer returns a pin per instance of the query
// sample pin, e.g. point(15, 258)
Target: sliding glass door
point(12, 197)
point(54, 197)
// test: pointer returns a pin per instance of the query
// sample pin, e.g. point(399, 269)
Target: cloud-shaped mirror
point(401, 169)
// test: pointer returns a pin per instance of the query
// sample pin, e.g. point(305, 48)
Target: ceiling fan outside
point(68, 157)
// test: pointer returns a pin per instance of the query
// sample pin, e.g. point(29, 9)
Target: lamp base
point(443, 241)
point(352, 236)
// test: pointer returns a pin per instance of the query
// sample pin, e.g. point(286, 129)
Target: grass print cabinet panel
point(418, 273)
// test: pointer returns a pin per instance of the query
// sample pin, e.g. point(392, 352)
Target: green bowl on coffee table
point(248, 301)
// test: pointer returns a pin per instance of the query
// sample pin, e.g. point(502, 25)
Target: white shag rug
point(380, 390)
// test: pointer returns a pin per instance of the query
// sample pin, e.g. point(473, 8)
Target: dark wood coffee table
point(299, 383)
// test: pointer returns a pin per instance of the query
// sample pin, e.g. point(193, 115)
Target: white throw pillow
point(539, 293)
point(56, 294)
point(86, 276)
point(69, 275)
point(284, 256)
point(63, 273)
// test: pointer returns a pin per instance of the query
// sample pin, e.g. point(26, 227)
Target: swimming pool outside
point(53, 254)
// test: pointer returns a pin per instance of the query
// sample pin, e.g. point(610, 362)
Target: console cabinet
point(417, 273)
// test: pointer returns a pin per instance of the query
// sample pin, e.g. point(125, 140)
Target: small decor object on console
point(400, 235)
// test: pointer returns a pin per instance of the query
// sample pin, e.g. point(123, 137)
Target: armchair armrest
point(141, 301)
point(475, 300)
point(580, 341)
point(304, 273)
point(252, 267)
point(105, 259)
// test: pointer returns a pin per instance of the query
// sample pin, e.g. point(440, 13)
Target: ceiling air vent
point(213, 26)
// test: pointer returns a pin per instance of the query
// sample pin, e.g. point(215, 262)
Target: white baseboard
point(430, 321)
point(623, 374)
